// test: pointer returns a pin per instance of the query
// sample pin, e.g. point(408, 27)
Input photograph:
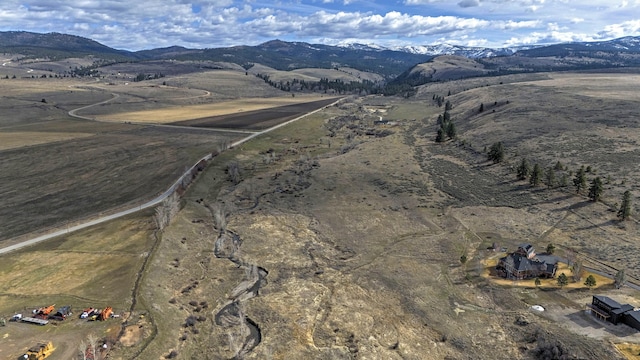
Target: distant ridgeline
point(396, 66)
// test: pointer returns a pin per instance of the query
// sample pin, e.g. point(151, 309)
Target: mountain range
point(389, 62)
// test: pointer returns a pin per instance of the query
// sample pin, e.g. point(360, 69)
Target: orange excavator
point(44, 312)
point(106, 313)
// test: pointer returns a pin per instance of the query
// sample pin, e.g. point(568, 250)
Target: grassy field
point(182, 113)
point(372, 242)
point(91, 268)
point(361, 228)
point(56, 171)
point(314, 74)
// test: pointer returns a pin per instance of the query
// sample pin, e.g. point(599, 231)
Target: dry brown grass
point(610, 86)
point(11, 140)
point(631, 351)
point(21, 87)
point(95, 267)
point(314, 74)
point(174, 114)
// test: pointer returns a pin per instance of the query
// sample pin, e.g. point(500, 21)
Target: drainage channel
point(244, 334)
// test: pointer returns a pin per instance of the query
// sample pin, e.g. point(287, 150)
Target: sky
point(146, 24)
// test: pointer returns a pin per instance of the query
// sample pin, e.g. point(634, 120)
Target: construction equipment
point(37, 321)
point(87, 312)
point(39, 352)
point(62, 313)
point(106, 313)
point(44, 312)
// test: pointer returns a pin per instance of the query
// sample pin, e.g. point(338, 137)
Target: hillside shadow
point(575, 206)
point(611, 222)
point(557, 199)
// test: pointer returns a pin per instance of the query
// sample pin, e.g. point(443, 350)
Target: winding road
point(153, 202)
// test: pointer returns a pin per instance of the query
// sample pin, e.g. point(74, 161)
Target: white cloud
point(212, 23)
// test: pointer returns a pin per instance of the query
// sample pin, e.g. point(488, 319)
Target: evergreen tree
point(440, 135)
point(523, 169)
point(595, 190)
point(564, 180)
point(446, 116)
point(558, 166)
point(580, 180)
point(481, 107)
point(451, 130)
point(536, 175)
point(537, 282)
point(550, 177)
point(496, 152)
point(448, 106)
point(625, 208)
point(563, 280)
point(590, 281)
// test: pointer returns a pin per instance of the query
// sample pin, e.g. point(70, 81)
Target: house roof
point(608, 301)
point(548, 259)
point(635, 315)
point(623, 309)
point(522, 263)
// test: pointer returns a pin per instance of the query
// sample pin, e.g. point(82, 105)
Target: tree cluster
point(324, 85)
point(143, 77)
point(447, 128)
point(594, 191)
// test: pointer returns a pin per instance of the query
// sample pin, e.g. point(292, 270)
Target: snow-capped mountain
point(441, 49)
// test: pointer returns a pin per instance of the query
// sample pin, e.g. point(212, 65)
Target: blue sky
point(137, 25)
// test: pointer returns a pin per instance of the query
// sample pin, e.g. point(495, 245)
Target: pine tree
point(550, 177)
point(595, 190)
point(558, 166)
point(523, 169)
point(481, 107)
point(451, 130)
point(440, 135)
point(496, 152)
point(447, 105)
point(580, 180)
point(625, 208)
point(536, 175)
